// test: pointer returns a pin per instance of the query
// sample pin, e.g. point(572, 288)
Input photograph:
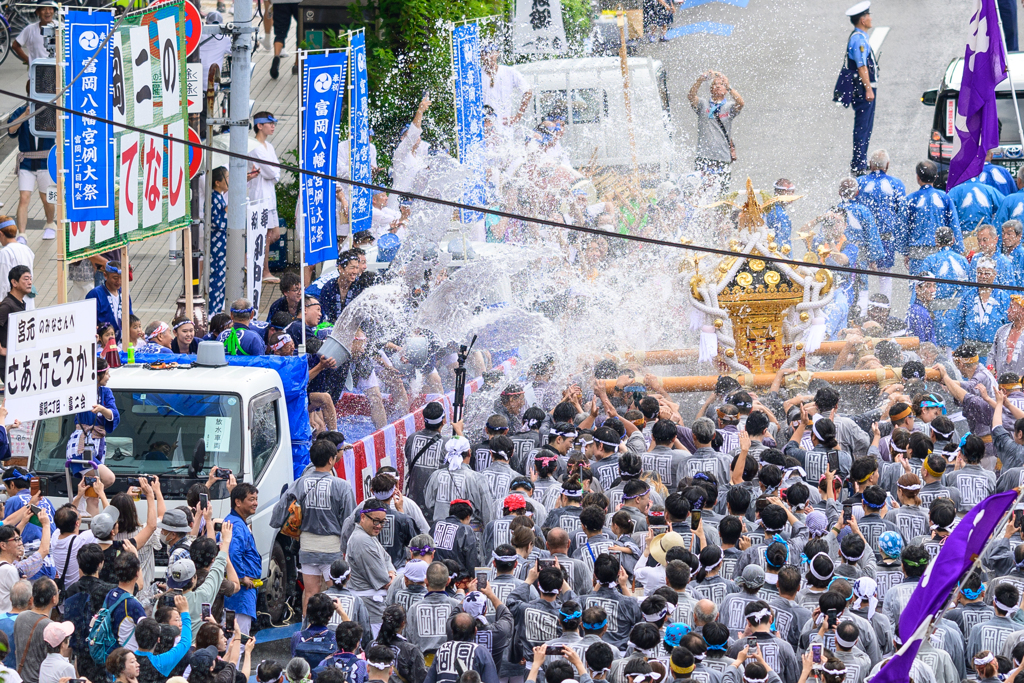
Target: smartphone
point(481, 577)
point(216, 527)
point(1018, 519)
point(229, 620)
point(167, 599)
point(553, 650)
point(833, 461)
point(207, 611)
point(695, 519)
point(833, 618)
point(816, 653)
point(35, 509)
point(222, 473)
point(659, 529)
point(133, 481)
point(847, 514)
point(751, 645)
point(89, 481)
point(544, 563)
point(204, 501)
point(243, 638)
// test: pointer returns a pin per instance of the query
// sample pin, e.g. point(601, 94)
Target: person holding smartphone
point(784, 664)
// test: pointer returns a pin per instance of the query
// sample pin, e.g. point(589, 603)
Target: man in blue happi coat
point(239, 339)
point(946, 264)
point(976, 204)
point(1012, 205)
point(919, 319)
point(997, 177)
point(1011, 245)
point(108, 297)
point(983, 310)
point(988, 241)
point(887, 198)
point(776, 217)
point(862, 230)
point(927, 210)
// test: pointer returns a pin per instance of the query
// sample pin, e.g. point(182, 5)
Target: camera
point(221, 472)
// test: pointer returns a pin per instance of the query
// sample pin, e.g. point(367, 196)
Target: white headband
point(837, 672)
point(815, 574)
point(1010, 611)
point(754, 680)
point(853, 559)
point(344, 576)
point(657, 615)
point(710, 567)
point(760, 614)
point(982, 661)
point(865, 588)
point(844, 643)
point(384, 495)
point(377, 665)
point(912, 487)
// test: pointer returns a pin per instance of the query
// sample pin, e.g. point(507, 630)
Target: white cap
point(859, 8)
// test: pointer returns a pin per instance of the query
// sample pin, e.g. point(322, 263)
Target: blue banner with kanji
point(469, 114)
point(359, 133)
point(88, 162)
point(323, 88)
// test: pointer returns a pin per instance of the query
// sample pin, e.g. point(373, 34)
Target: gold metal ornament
point(799, 346)
point(719, 323)
point(804, 316)
point(772, 278)
point(744, 279)
point(756, 265)
point(729, 353)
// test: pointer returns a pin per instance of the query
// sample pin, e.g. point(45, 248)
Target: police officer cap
point(859, 8)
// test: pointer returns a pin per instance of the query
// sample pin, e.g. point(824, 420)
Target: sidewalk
point(157, 282)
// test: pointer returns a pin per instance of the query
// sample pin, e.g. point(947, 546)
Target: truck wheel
point(275, 586)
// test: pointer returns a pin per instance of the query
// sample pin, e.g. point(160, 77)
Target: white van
point(596, 127)
point(179, 424)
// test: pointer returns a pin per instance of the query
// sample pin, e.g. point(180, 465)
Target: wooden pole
point(678, 385)
point(62, 244)
point(624, 62)
point(189, 284)
point(126, 300)
point(670, 356)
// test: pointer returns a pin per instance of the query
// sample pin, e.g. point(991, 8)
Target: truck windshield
point(158, 434)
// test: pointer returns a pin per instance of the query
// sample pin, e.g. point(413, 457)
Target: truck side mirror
point(930, 97)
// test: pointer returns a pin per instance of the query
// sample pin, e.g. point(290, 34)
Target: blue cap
point(388, 245)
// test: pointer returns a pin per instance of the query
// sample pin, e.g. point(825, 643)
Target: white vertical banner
point(193, 90)
point(142, 75)
point(538, 27)
point(118, 60)
point(152, 187)
point(167, 42)
point(103, 230)
point(257, 215)
point(78, 235)
point(128, 201)
point(177, 162)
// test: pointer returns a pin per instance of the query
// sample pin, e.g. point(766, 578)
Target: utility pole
point(241, 49)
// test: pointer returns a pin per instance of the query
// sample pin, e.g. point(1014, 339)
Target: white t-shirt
point(262, 186)
point(9, 675)
point(59, 552)
point(506, 93)
point(53, 668)
point(31, 41)
point(8, 577)
point(212, 51)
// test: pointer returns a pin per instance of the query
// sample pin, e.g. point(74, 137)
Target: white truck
point(596, 128)
point(179, 424)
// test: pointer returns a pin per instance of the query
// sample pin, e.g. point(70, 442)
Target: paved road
point(783, 56)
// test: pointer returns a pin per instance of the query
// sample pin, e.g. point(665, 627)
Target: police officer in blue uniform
point(861, 59)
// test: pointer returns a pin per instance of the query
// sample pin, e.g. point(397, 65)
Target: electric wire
point(770, 258)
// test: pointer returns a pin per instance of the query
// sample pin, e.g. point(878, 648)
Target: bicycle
point(13, 19)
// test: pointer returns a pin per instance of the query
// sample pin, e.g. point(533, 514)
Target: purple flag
point(961, 548)
point(897, 669)
point(977, 125)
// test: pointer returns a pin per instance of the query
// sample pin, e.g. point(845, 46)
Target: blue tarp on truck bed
point(294, 373)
